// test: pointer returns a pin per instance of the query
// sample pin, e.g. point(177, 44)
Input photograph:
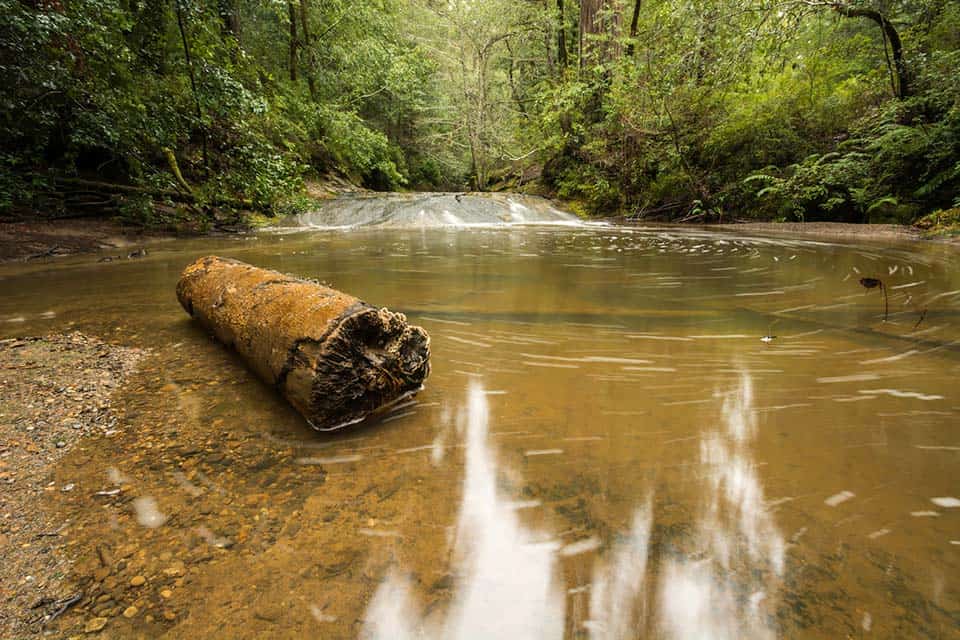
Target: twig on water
point(923, 314)
point(873, 283)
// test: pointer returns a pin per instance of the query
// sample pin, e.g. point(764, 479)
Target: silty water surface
point(606, 448)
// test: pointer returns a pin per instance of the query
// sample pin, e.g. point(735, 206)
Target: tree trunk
point(634, 22)
point(514, 91)
point(587, 24)
point(230, 26)
point(229, 18)
point(193, 80)
point(561, 36)
point(108, 188)
point(305, 30)
point(147, 37)
point(335, 358)
point(293, 41)
point(902, 85)
point(600, 19)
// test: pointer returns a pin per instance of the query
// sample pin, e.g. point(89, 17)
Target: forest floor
point(55, 391)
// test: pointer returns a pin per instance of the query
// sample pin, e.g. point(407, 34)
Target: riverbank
point(26, 241)
point(56, 390)
point(38, 239)
point(43, 238)
point(831, 230)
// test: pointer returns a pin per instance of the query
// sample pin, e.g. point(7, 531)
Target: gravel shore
point(54, 390)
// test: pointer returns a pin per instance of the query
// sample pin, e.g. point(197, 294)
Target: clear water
point(606, 447)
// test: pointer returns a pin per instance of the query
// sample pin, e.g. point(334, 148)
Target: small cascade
point(427, 210)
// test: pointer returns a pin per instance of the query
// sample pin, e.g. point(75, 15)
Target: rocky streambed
point(55, 391)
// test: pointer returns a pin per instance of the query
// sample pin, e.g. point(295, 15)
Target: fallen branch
point(160, 194)
point(873, 283)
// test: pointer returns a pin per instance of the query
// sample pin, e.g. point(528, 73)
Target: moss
point(940, 223)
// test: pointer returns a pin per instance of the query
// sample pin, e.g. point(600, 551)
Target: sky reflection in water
point(508, 584)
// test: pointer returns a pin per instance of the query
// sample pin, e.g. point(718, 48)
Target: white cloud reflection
point(740, 550)
point(506, 579)
point(507, 576)
point(617, 603)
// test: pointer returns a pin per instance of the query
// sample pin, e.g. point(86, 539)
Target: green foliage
point(598, 191)
point(781, 110)
point(98, 88)
point(353, 144)
point(765, 110)
point(895, 163)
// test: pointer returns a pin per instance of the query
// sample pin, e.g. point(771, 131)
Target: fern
point(881, 202)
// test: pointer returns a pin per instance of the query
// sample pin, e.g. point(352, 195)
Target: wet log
point(335, 358)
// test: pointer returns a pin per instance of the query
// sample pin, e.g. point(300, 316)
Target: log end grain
point(371, 360)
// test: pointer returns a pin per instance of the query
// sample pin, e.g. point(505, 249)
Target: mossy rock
point(944, 222)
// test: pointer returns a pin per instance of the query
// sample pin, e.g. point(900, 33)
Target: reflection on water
point(617, 597)
point(506, 583)
point(728, 588)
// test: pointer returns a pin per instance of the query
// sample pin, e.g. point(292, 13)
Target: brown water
point(606, 448)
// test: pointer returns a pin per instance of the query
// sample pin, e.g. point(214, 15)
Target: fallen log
point(335, 358)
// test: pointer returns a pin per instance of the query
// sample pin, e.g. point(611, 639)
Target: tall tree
point(310, 60)
point(901, 80)
point(634, 24)
point(193, 78)
point(293, 62)
point(599, 27)
point(561, 36)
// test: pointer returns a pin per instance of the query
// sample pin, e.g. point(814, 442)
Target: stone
point(94, 625)
point(130, 612)
point(166, 594)
point(137, 581)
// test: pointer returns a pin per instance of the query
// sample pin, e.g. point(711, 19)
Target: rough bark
point(335, 358)
point(229, 11)
point(599, 28)
point(229, 18)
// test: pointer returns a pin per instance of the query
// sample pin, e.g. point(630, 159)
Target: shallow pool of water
point(606, 448)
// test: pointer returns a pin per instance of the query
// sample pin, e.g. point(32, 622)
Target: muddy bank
point(831, 230)
point(41, 239)
point(55, 391)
